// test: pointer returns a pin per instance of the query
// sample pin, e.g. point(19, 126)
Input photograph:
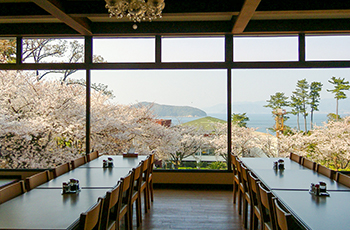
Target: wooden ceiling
point(180, 17)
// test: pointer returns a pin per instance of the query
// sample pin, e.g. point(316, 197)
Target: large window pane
point(249, 49)
point(124, 49)
point(47, 50)
point(138, 106)
point(42, 123)
point(320, 48)
point(203, 49)
point(253, 88)
point(8, 50)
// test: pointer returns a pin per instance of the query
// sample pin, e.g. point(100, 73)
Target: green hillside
point(173, 111)
point(205, 122)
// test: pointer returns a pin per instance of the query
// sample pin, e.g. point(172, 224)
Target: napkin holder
point(108, 163)
point(71, 187)
point(278, 164)
point(319, 189)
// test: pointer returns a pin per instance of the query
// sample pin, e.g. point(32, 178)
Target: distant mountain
point(173, 111)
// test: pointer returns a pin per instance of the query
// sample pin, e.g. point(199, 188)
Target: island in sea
point(173, 111)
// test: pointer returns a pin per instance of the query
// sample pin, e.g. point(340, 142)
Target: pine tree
point(296, 106)
point(340, 85)
point(315, 89)
point(301, 98)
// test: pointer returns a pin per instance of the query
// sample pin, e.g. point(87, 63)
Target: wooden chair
point(325, 171)
point(255, 206)
point(11, 191)
point(283, 217)
point(144, 184)
point(92, 156)
point(125, 196)
point(92, 217)
point(150, 178)
point(267, 209)
point(343, 179)
point(59, 170)
point(110, 209)
point(308, 163)
point(240, 185)
point(295, 157)
point(78, 162)
point(136, 195)
point(37, 179)
point(246, 194)
point(236, 179)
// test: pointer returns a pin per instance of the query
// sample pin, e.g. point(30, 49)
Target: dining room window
point(193, 49)
point(8, 48)
point(265, 48)
point(124, 50)
point(172, 112)
point(52, 50)
point(42, 120)
point(327, 48)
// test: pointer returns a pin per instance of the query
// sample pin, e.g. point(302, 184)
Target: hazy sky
point(206, 88)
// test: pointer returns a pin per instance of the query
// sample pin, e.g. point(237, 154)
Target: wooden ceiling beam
point(248, 9)
point(54, 7)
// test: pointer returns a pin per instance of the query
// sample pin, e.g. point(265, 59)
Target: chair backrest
point(92, 156)
point(11, 191)
point(137, 178)
point(244, 173)
point(254, 188)
point(144, 169)
point(78, 162)
point(151, 163)
point(325, 171)
point(92, 217)
point(59, 170)
point(283, 217)
point(308, 163)
point(125, 197)
point(234, 163)
point(343, 179)
point(295, 157)
point(109, 218)
point(37, 179)
point(267, 209)
point(125, 190)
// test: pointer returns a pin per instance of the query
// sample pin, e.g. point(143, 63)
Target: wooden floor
point(191, 209)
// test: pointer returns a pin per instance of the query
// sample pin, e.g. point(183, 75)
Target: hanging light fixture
point(135, 10)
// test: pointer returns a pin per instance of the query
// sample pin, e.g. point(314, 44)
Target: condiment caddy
point(279, 164)
point(108, 163)
point(71, 187)
point(319, 189)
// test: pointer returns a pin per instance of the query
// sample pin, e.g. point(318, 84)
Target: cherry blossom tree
point(328, 144)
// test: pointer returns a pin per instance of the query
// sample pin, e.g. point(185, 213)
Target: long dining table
point(291, 186)
point(45, 207)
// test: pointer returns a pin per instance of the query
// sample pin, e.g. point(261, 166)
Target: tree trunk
point(305, 125)
point(298, 122)
point(312, 119)
point(337, 110)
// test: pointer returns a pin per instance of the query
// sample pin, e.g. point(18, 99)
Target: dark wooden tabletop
point(89, 177)
point(118, 161)
point(47, 209)
point(316, 212)
point(295, 179)
point(267, 163)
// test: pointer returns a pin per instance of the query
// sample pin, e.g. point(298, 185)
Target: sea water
point(260, 121)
